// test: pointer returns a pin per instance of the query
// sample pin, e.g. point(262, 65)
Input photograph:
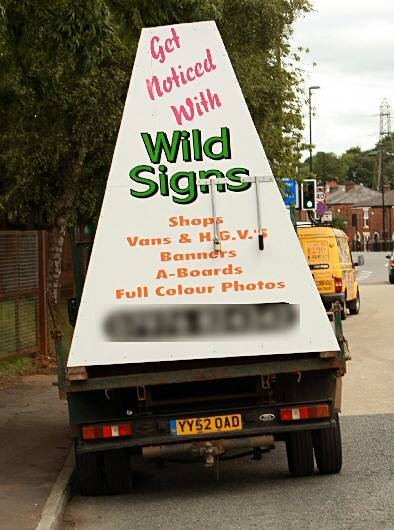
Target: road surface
point(374, 271)
point(256, 495)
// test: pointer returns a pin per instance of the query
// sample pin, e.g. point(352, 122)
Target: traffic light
point(308, 195)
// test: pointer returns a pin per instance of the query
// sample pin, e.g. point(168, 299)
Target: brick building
point(361, 208)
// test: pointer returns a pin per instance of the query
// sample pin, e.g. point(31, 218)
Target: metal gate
point(23, 316)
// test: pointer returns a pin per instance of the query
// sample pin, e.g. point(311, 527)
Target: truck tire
point(299, 448)
point(328, 448)
point(117, 474)
point(354, 305)
point(89, 474)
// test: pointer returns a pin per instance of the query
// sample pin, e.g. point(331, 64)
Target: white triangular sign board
point(156, 288)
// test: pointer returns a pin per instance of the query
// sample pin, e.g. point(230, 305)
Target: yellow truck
point(328, 254)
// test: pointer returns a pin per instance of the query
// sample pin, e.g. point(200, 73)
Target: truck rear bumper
point(329, 299)
point(154, 431)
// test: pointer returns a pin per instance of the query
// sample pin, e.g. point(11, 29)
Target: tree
point(53, 94)
point(359, 166)
point(339, 221)
point(354, 165)
point(64, 72)
point(388, 159)
point(326, 166)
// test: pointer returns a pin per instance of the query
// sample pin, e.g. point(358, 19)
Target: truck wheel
point(89, 473)
point(328, 448)
point(354, 305)
point(299, 448)
point(117, 474)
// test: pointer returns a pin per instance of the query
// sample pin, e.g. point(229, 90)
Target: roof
point(358, 195)
point(389, 198)
point(377, 200)
point(317, 232)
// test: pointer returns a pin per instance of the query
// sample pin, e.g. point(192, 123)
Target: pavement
point(368, 386)
point(34, 442)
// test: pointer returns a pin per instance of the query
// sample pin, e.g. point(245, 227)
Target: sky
point(352, 44)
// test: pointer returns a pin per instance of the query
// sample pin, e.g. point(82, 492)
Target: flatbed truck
point(235, 406)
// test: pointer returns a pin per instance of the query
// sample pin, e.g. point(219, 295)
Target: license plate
point(188, 426)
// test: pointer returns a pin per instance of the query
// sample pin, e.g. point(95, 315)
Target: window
point(366, 218)
point(341, 251)
point(344, 251)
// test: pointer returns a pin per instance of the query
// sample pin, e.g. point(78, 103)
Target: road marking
point(363, 276)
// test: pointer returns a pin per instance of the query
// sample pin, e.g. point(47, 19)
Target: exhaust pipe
point(208, 449)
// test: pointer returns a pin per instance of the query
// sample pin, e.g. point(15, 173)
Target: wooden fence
point(23, 312)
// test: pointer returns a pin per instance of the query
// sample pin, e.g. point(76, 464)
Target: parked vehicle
point(200, 333)
point(330, 260)
point(202, 411)
point(390, 266)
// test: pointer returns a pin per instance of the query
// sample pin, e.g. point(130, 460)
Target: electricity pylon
point(384, 133)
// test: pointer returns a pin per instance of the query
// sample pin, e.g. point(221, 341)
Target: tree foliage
point(354, 165)
point(65, 67)
point(339, 221)
point(64, 72)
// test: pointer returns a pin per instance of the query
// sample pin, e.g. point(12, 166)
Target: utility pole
point(382, 181)
point(310, 127)
point(384, 134)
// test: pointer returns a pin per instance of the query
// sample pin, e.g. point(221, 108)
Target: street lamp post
point(381, 179)
point(381, 153)
point(310, 89)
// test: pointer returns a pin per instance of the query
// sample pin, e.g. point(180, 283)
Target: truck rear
point(206, 411)
point(200, 332)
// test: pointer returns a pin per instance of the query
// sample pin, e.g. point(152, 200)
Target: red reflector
point(286, 414)
point(317, 411)
point(305, 412)
point(92, 432)
point(338, 285)
point(392, 262)
point(107, 431)
point(124, 429)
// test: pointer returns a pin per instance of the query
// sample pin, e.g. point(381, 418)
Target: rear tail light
point(115, 430)
point(307, 412)
point(338, 285)
point(392, 262)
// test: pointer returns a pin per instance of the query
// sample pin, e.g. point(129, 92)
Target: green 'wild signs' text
point(182, 186)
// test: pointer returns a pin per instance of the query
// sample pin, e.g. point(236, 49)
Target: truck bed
point(119, 376)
